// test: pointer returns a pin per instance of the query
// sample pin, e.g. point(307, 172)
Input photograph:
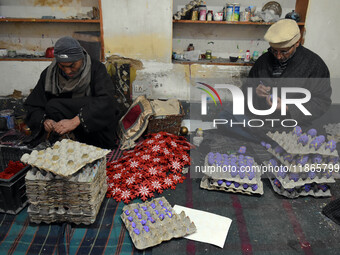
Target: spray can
point(247, 58)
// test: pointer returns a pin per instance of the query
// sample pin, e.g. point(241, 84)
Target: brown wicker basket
point(166, 123)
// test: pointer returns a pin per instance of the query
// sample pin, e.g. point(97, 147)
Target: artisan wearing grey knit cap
point(68, 49)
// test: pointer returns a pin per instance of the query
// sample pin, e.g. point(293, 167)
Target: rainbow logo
point(209, 93)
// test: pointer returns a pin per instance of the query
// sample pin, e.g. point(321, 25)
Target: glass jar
point(208, 54)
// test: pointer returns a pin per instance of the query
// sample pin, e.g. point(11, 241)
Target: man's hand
point(65, 126)
point(49, 125)
point(262, 91)
point(279, 106)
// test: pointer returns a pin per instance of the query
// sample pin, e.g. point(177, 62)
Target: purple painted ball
point(317, 159)
point(273, 162)
point(228, 183)
point(297, 131)
point(220, 182)
point(236, 184)
point(331, 145)
point(278, 149)
point(316, 144)
point(242, 149)
point(254, 187)
point(302, 160)
point(251, 175)
point(307, 187)
point(294, 176)
point(323, 187)
point(311, 175)
point(288, 157)
point(333, 160)
point(303, 139)
point(263, 144)
point(268, 146)
point(321, 138)
point(312, 132)
point(245, 186)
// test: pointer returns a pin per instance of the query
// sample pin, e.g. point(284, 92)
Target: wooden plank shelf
point(35, 20)
point(228, 22)
point(217, 61)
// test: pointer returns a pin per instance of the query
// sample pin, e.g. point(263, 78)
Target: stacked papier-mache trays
point(235, 173)
point(304, 163)
point(153, 222)
point(67, 182)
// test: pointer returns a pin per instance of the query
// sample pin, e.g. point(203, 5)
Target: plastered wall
point(143, 30)
point(138, 29)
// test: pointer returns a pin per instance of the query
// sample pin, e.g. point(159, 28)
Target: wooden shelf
point(229, 22)
point(217, 61)
point(34, 20)
point(25, 59)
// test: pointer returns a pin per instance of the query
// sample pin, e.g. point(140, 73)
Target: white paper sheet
point(211, 228)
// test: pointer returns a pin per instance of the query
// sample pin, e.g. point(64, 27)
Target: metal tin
point(236, 13)
point(229, 12)
point(9, 115)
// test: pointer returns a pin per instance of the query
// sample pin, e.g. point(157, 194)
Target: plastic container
point(247, 58)
point(12, 191)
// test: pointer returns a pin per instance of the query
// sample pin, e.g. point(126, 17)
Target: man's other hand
point(67, 125)
point(279, 106)
point(49, 125)
point(263, 91)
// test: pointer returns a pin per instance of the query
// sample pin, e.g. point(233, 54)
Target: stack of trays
point(232, 173)
point(304, 163)
point(72, 192)
point(334, 131)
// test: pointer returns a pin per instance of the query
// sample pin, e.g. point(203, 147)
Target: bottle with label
point(191, 47)
point(203, 11)
point(247, 58)
point(210, 15)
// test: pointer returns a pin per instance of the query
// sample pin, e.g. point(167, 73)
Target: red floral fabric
point(153, 165)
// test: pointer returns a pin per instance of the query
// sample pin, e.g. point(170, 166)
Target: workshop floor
point(267, 224)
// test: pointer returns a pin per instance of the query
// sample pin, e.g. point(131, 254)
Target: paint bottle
point(247, 58)
point(203, 11)
point(191, 47)
point(210, 15)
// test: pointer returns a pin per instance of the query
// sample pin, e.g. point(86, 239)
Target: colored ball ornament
point(303, 139)
point(331, 145)
point(297, 131)
point(312, 132)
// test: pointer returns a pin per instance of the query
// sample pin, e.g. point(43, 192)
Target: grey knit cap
point(68, 49)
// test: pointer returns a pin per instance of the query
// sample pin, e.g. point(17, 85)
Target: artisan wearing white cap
point(286, 59)
point(74, 94)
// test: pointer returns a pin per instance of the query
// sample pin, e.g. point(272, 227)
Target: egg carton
point(333, 129)
point(289, 142)
point(225, 172)
point(295, 167)
point(210, 184)
point(55, 198)
point(64, 158)
point(315, 191)
point(59, 216)
point(153, 222)
point(334, 137)
point(288, 183)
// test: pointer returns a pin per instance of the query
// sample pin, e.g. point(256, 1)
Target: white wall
point(20, 75)
point(138, 29)
point(323, 37)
